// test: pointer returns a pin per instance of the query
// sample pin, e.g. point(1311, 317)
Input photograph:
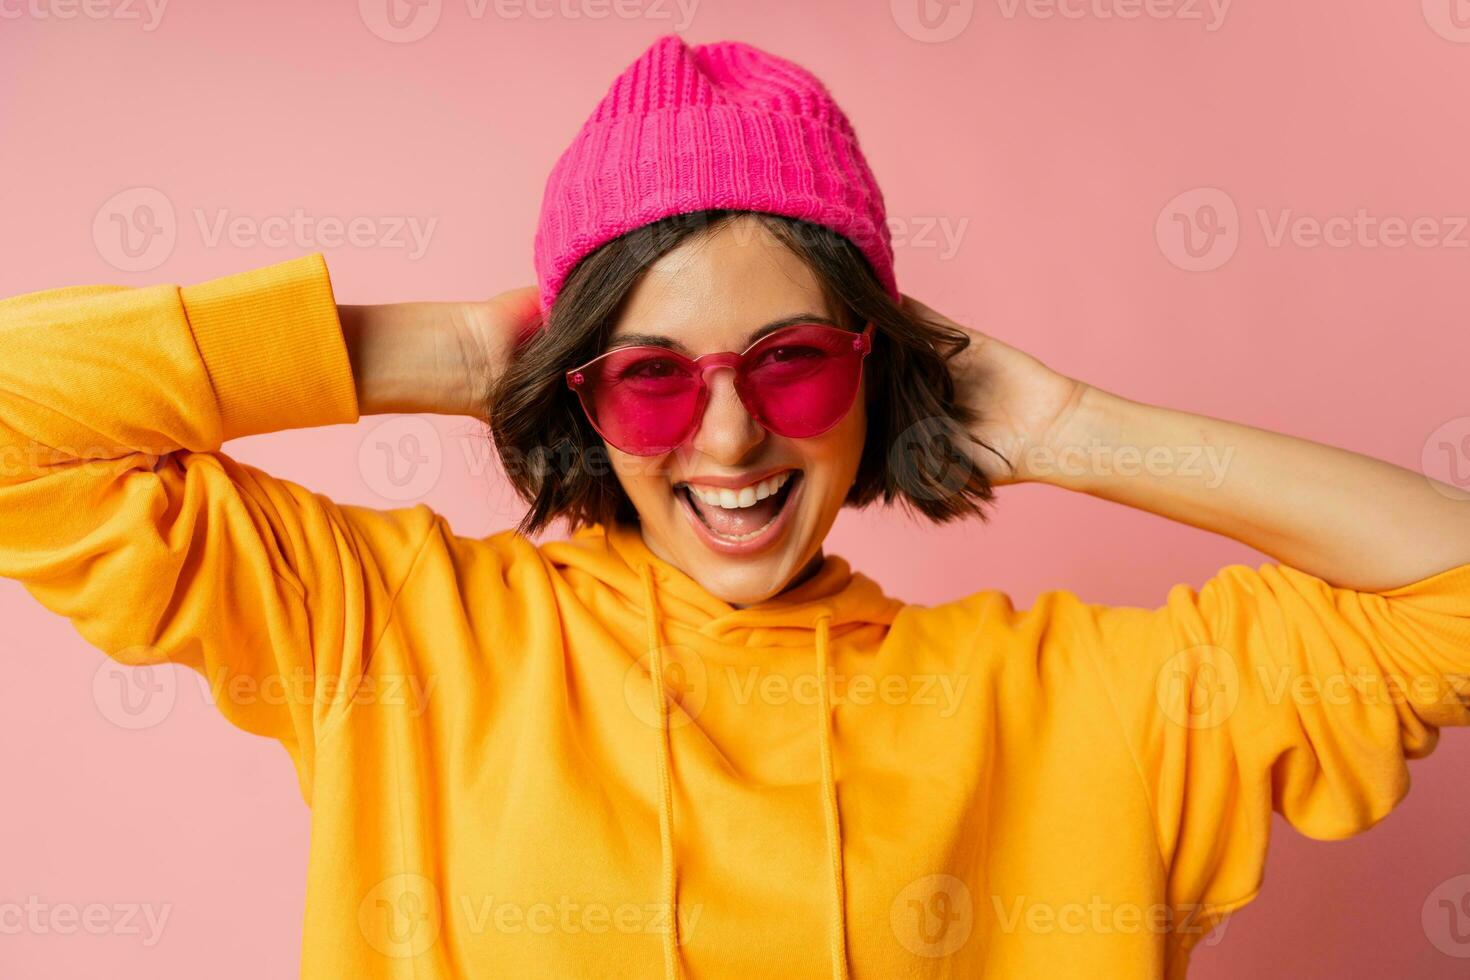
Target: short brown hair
point(558, 464)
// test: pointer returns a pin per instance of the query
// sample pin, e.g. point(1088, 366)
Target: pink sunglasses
point(798, 382)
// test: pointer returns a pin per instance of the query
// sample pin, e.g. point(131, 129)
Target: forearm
point(108, 372)
point(414, 357)
point(1347, 518)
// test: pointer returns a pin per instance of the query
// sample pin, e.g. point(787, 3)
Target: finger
point(519, 311)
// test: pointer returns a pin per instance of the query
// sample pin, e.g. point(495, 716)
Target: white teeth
point(744, 497)
point(742, 537)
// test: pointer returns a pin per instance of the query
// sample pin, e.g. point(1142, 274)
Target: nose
point(727, 433)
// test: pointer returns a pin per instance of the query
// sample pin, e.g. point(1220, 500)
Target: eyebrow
point(669, 343)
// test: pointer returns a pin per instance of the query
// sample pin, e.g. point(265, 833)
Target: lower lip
point(761, 541)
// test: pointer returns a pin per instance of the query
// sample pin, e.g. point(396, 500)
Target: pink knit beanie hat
point(721, 125)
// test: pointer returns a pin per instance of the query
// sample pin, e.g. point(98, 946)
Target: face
point(741, 510)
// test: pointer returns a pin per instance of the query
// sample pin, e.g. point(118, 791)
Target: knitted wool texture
point(721, 125)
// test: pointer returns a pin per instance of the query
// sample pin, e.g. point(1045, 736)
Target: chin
point(742, 583)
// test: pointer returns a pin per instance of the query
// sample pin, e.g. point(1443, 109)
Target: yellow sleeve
point(1270, 689)
point(118, 511)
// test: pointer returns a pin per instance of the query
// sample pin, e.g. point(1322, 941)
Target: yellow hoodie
point(835, 782)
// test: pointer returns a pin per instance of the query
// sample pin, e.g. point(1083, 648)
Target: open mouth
point(738, 516)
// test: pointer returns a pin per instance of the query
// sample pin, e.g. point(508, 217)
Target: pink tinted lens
point(643, 402)
point(800, 382)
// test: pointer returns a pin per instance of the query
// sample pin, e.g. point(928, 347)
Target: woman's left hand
point(1349, 519)
point(1019, 403)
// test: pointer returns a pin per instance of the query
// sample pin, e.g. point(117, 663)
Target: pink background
point(1048, 147)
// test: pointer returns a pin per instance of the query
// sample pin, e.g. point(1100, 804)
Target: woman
point(687, 741)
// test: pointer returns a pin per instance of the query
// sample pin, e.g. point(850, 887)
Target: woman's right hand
point(495, 327)
point(440, 358)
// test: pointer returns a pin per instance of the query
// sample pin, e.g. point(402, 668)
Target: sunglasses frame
point(705, 364)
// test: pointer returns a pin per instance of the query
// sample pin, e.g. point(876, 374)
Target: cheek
point(645, 479)
point(834, 456)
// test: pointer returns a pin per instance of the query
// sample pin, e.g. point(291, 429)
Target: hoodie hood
point(614, 555)
point(832, 603)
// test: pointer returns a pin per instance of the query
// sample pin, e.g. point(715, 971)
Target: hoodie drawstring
point(665, 783)
point(829, 804)
point(833, 823)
